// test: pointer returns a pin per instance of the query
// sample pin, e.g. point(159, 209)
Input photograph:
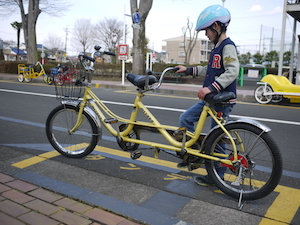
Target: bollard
point(241, 77)
point(263, 72)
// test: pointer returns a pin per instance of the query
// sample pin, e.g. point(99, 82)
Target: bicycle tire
point(27, 77)
point(78, 144)
point(48, 79)
point(261, 160)
point(21, 78)
point(260, 98)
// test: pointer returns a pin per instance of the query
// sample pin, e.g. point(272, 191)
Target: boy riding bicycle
point(220, 73)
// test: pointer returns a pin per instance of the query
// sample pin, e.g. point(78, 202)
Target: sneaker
point(182, 165)
point(204, 181)
point(194, 165)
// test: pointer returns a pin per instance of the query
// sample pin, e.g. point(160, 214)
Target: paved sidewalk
point(25, 203)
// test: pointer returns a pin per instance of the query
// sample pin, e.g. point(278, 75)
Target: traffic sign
point(136, 18)
point(123, 50)
point(123, 57)
point(136, 26)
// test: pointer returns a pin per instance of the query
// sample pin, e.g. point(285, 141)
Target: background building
point(173, 51)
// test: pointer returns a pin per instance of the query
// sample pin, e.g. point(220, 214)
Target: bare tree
point(29, 19)
point(189, 40)
point(110, 32)
point(53, 42)
point(139, 39)
point(83, 34)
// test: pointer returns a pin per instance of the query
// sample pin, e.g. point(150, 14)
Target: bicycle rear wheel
point(77, 144)
point(260, 164)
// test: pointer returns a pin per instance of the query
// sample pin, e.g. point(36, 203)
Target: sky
point(165, 20)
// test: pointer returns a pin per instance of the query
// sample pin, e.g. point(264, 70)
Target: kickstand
point(241, 202)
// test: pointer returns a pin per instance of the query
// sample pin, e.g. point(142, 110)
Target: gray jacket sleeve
point(231, 65)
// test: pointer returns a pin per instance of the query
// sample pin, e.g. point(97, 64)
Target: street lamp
point(223, 2)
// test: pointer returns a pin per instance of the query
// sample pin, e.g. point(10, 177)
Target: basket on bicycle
point(68, 84)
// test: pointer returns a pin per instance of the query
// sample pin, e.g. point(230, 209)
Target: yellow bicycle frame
point(103, 112)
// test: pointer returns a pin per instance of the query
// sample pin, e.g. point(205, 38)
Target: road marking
point(282, 210)
point(131, 167)
point(28, 93)
point(165, 108)
point(110, 138)
point(94, 157)
point(36, 159)
point(284, 207)
point(174, 176)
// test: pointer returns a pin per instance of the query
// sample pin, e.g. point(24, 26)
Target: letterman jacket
point(222, 69)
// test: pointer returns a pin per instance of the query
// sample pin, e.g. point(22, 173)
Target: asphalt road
point(25, 107)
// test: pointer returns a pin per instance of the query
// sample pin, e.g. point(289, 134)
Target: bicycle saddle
point(140, 80)
point(220, 98)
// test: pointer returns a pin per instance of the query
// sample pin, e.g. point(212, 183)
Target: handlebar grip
point(109, 53)
point(88, 58)
point(175, 69)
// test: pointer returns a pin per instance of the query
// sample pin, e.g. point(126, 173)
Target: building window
point(181, 54)
point(181, 44)
point(203, 42)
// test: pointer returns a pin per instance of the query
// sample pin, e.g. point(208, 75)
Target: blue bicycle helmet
point(213, 13)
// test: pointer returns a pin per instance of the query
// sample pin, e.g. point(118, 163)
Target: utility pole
point(223, 2)
point(67, 31)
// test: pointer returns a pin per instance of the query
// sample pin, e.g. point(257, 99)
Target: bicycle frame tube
point(103, 112)
point(213, 114)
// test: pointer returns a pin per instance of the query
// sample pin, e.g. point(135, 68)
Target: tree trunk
point(29, 27)
point(139, 38)
point(33, 13)
point(18, 44)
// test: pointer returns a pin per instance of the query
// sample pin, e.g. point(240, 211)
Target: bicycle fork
point(79, 119)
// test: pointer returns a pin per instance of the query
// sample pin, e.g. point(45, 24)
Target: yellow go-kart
point(273, 88)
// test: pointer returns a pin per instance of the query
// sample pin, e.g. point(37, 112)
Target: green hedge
point(103, 69)
point(12, 67)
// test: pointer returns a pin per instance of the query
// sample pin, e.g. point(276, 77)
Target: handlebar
point(162, 77)
point(85, 59)
point(109, 53)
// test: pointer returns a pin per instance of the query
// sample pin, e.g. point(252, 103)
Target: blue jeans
point(191, 115)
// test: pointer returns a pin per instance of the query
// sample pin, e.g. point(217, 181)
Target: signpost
point(136, 19)
point(123, 55)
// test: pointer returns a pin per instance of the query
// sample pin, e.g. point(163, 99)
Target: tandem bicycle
point(243, 147)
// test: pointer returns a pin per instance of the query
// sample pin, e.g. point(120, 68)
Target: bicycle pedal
point(111, 120)
point(194, 167)
point(135, 155)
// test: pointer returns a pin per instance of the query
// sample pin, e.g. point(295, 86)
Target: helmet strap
point(218, 34)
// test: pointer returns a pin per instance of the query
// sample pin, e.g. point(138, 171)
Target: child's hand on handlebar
point(181, 69)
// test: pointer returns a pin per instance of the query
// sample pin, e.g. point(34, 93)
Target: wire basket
point(69, 84)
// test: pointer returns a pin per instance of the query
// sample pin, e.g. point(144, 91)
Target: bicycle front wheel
point(260, 97)
point(259, 166)
point(80, 142)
